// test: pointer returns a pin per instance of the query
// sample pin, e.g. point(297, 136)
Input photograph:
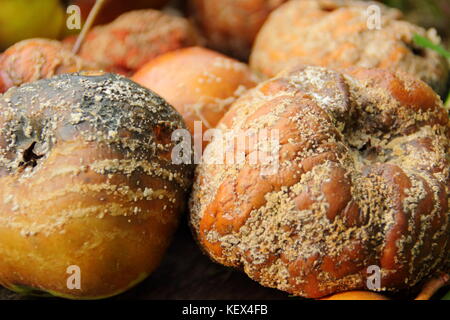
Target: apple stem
point(87, 26)
point(432, 286)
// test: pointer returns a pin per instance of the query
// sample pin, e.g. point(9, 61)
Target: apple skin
point(189, 71)
point(356, 295)
point(24, 19)
point(114, 8)
point(134, 38)
point(102, 197)
point(33, 59)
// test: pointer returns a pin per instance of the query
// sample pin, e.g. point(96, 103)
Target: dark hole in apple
point(29, 157)
point(420, 52)
point(368, 151)
point(328, 8)
point(365, 147)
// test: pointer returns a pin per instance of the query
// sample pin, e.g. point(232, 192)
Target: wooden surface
point(186, 273)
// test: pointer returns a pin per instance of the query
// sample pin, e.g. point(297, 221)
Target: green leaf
point(426, 43)
point(447, 296)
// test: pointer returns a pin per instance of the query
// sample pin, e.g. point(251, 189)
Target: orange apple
point(201, 84)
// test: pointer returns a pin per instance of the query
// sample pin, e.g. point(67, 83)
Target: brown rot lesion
point(29, 158)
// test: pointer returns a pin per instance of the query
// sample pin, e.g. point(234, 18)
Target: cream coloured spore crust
point(127, 128)
point(363, 181)
point(340, 34)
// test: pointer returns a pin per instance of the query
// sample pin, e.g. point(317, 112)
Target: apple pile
point(134, 38)
point(111, 207)
point(47, 18)
point(87, 131)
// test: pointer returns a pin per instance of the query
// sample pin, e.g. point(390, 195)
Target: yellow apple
point(23, 19)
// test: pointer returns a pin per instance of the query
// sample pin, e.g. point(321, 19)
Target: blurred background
point(427, 13)
point(23, 19)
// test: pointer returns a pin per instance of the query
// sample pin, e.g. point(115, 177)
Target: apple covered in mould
point(86, 183)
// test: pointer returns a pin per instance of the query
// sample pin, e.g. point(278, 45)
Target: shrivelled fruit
point(35, 59)
point(357, 183)
point(136, 37)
